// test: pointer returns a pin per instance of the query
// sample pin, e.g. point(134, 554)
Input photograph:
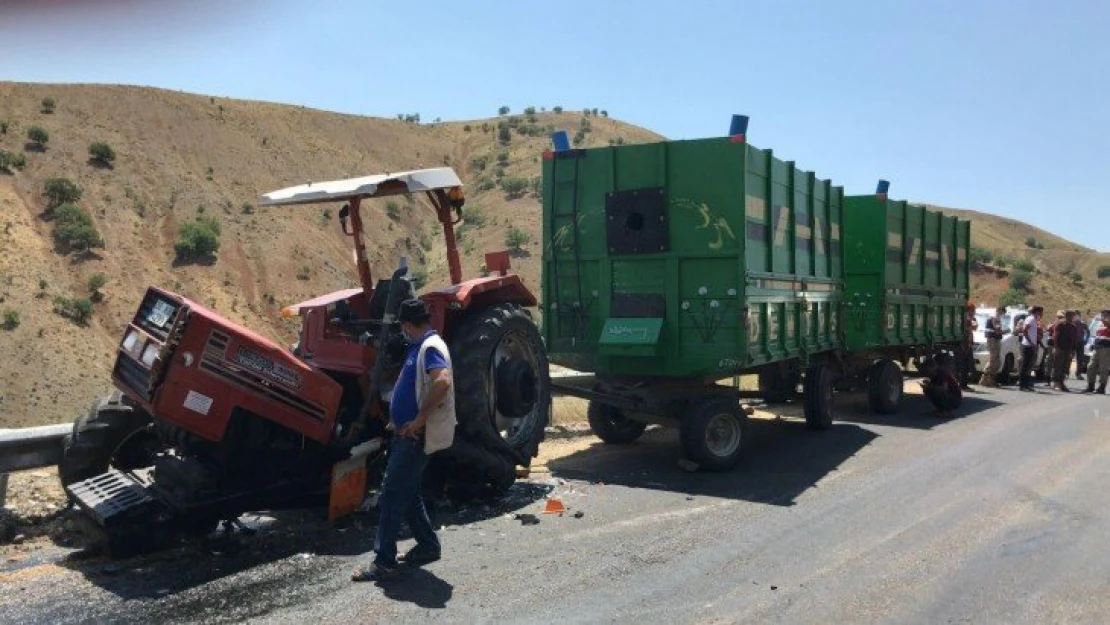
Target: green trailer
point(671, 266)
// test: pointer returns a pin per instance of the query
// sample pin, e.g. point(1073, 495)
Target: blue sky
point(999, 106)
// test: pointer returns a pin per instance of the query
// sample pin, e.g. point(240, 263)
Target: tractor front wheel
point(502, 397)
point(114, 434)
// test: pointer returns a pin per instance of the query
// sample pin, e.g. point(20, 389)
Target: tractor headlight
point(150, 352)
point(130, 341)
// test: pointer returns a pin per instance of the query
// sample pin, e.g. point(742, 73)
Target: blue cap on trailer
point(881, 190)
point(560, 140)
point(738, 131)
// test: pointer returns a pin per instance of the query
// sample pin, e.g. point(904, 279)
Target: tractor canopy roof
point(380, 185)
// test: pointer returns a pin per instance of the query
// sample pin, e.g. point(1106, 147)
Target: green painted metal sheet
point(906, 273)
point(737, 252)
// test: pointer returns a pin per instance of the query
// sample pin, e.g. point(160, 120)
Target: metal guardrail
point(29, 448)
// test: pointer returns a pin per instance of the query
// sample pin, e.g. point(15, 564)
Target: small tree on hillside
point(59, 191)
point(557, 109)
point(1104, 271)
point(1020, 280)
point(516, 238)
point(504, 110)
point(97, 282)
point(3, 127)
point(504, 134)
point(47, 105)
point(38, 136)
point(9, 161)
point(74, 229)
point(980, 256)
point(514, 187)
point(198, 239)
point(102, 153)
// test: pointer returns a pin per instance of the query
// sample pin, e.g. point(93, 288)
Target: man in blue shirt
point(400, 498)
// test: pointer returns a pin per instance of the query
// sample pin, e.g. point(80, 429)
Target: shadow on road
point(916, 412)
point(279, 539)
point(419, 586)
point(784, 459)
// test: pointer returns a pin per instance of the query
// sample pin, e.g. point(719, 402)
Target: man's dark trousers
point(401, 500)
point(1028, 355)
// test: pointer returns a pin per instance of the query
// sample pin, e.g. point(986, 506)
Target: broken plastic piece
point(554, 506)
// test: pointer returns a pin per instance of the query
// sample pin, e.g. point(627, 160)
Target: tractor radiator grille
point(215, 362)
point(134, 375)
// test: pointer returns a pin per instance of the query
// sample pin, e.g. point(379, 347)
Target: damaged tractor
point(210, 420)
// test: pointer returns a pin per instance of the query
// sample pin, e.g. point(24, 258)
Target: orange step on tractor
point(211, 420)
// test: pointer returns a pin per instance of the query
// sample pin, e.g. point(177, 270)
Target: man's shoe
point(373, 573)
point(417, 556)
point(1102, 389)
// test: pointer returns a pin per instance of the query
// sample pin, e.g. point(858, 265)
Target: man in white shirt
point(1030, 340)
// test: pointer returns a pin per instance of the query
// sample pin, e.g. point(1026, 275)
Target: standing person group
point(1064, 340)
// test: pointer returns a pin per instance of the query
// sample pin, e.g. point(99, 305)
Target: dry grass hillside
point(180, 156)
point(1064, 275)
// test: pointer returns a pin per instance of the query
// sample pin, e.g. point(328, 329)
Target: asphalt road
point(998, 515)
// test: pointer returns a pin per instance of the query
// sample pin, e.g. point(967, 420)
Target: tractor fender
point(450, 303)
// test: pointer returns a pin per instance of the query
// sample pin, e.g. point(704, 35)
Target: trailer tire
point(884, 387)
point(714, 433)
point(114, 434)
point(775, 386)
point(949, 363)
point(489, 346)
point(818, 394)
point(611, 425)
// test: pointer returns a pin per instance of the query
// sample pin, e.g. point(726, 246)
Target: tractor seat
point(381, 293)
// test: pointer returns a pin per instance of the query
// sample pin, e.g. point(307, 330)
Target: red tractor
point(211, 420)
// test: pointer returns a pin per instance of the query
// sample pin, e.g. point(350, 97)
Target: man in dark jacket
point(1066, 337)
point(1084, 336)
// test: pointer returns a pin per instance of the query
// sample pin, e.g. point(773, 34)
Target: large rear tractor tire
point(884, 387)
point(502, 398)
point(611, 425)
point(114, 434)
point(714, 433)
point(818, 396)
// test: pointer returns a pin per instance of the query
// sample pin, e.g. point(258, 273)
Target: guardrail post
point(3, 489)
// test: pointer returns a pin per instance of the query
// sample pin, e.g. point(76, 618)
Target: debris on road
point(527, 519)
point(554, 506)
point(579, 514)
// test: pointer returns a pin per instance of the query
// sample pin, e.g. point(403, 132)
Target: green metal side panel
point(736, 252)
point(906, 274)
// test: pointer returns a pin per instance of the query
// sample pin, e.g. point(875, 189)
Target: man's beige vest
point(439, 431)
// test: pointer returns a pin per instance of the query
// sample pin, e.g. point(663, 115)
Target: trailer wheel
point(818, 397)
point(714, 433)
point(611, 425)
point(948, 362)
point(502, 395)
point(884, 387)
point(114, 434)
point(775, 386)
